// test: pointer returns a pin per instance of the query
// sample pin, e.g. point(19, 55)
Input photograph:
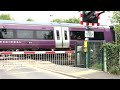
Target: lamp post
point(51, 17)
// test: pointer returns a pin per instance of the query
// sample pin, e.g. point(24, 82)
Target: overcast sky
point(44, 16)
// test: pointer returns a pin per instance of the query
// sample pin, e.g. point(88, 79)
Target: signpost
point(88, 18)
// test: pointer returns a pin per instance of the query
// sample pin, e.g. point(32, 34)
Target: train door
point(62, 39)
point(58, 37)
point(65, 37)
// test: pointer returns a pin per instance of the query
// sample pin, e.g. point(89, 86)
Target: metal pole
point(75, 63)
point(105, 60)
point(51, 17)
point(87, 39)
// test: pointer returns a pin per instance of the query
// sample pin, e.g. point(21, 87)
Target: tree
point(58, 20)
point(6, 17)
point(116, 21)
point(70, 20)
point(29, 19)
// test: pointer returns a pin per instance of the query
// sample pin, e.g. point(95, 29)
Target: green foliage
point(70, 20)
point(95, 49)
point(116, 21)
point(118, 37)
point(97, 65)
point(112, 55)
point(115, 70)
point(57, 20)
point(29, 19)
point(5, 17)
point(116, 17)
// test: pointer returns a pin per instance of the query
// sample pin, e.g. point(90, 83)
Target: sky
point(45, 16)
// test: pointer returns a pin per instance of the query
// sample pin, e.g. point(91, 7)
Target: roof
point(44, 23)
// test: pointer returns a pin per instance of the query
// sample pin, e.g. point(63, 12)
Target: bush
point(115, 70)
point(97, 65)
point(112, 56)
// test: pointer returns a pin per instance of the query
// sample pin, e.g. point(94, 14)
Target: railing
point(22, 57)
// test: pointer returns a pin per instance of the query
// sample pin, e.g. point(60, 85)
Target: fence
point(95, 55)
point(91, 57)
point(20, 58)
point(80, 59)
point(94, 59)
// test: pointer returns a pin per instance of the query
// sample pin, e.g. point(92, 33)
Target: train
point(39, 36)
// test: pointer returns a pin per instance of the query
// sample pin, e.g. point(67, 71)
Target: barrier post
point(105, 61)
point(75, 63)
point(86, 52)
point(102, 59)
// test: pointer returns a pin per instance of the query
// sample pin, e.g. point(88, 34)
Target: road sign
point(89, 34)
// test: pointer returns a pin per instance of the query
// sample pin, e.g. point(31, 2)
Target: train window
point(98, 36)
point(7, 35)
point(1, 36)
point(26, 34)
point(77, 35)
point(44, 35)
point(4, 30)
point(65, 33)
point(58, 35)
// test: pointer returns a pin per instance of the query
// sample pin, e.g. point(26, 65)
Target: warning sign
point(89, 34)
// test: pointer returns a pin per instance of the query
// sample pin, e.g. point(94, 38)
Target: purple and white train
point(47, 36)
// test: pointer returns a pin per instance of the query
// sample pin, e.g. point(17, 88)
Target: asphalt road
point(29, 73)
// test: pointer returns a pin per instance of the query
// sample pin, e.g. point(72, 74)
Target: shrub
point(115, 70)
point(112, 56)
point(97, 65)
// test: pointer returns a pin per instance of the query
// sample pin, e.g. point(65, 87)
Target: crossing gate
point(90, 57)
point(80, 59)
point(96, 55)
point(21, 58)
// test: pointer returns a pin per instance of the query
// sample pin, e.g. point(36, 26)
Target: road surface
point(29, 73)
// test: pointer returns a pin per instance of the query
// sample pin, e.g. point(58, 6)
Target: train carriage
point(47, 36)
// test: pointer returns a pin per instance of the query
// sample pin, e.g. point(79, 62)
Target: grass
point(96, 66)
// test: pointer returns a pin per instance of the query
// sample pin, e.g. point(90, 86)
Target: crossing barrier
point(21, 58)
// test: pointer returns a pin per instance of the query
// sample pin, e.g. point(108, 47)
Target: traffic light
point(90, 17)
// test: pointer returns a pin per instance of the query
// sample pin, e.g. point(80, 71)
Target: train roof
point(45, 23)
